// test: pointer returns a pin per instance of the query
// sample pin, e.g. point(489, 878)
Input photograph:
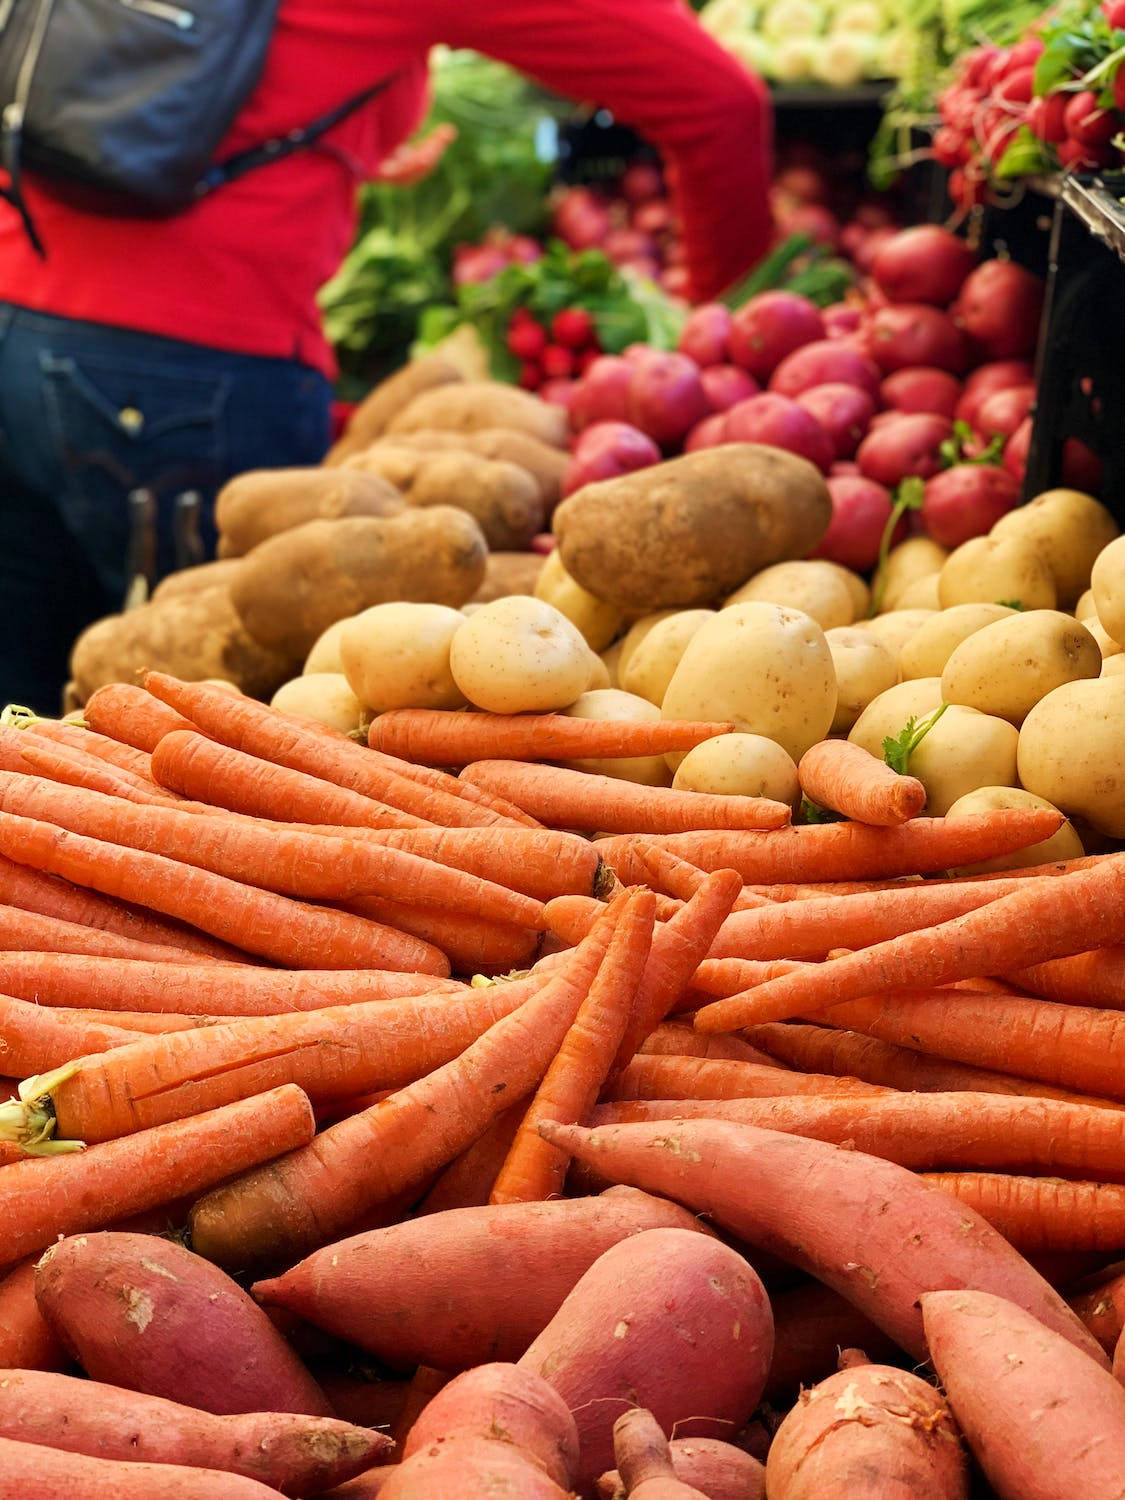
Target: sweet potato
point(687, 532)
point(508, 573)
point(1042, 1420)
point(644, 1459)
point(811, 1324)
point(1101, 1308)
point(454, 1289)
point(471, 405)
point(670, 1320)
point(296, 1454)
point(379, 407)
point(866, 1227)
point(501, 497)
point(255, 506)
point(297, 584)
point(26, 1342)
point(27, 1469)
point(208, 575)
point(718, 1470)
point(144, 1313)
point(365, 1486)
point(472, 1469)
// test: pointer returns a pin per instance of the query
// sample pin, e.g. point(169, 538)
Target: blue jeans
point(90, 414)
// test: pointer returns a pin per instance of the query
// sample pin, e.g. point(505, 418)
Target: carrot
point(288, 932)
point(730, 976)
point(803, 890)
point(473, 945)
point(685, 1078)
point(468, 1180)
point(249, 726)
point(123, 758)
point(852, 851)
point(434, 737)
point(293, 863)
point(679, 1039)
point(846, 778)
point(442, 781)
point(26, 1341)
point(677, 877)
point(576, 799)
point(191, 989)
point(69, 768)
point(128, 1020)
point(851, 1054)
point(1042, 1214)
point(21, 930)
point(36, 1040)
point(1042, 920)
point(125, 712)
point(534, 1170)
point(312, 1196)
point(68, 1194)
point(1094, 978)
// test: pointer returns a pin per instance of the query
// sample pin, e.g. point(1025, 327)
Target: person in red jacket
point(167, 354)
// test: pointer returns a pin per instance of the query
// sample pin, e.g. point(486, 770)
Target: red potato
point(1016, 450)
point(999, 309)
point(452, 1290)
point(558, 392)
point(967, 501)
point(606, 450)
point(812, 219)
point(921, 388)
point(26, 1342)
point(924, 264)
point(1000, 375)
point(841, 319)
point(666, 398)
point(298, 1455)
point(861, 509)
point(726, 385)
point(602, 395)
point(705, 334)
point(811, 1203)
point(710, 433)
point(671, 1320)
point(825, 362)
point(1001, 413)
point(779, 423)
point(910, 334)
point(866, 251)
point(1042, 1420)
point(843, 411)
point(144, 1313)
point(868, 1431)
point(644, 1459)
point(716, 1469)
point(768, 327)
point(471, 1469)
point(908, 445)
point(27, 1470)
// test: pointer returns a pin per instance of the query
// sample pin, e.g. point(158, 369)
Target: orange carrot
point(434, 737)
point(26, 1342)
point(665, 1077)
point(534, 1171)
point(680, 1039)
point(730, 976)
point(41, 1200)
point(1094, 978)
point(677, 877)
point(69, 768)
point(576, 799)
point(846, 778)
point(137, 1021)
point(34, 1039)
point(181, 987)
point(1042, 1214)
point(473, 945)
point(853, 851)
point(312, 1196)
point(23, 930)
point(468, 1180)
point(249, 726)
point(804, 890)
point(125, 712)
point(288, 932)
point(133, 763)
point(1042, 920)
point(442, 781)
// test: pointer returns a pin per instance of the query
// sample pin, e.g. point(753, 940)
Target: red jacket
point(241, 270)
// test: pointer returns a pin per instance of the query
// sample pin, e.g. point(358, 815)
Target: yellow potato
point(637, 633)
point(325, 654)
point(611, 661)
point(964, 751)
point(325, 697)
point(1086, 609)
point(926, 652)
point(610, 703)
point(857, 587)
point(740, 765)
point(1114, 666)
point(765, 669)
point(1007, 667)
point(864, 668)
point(917, 557)
point(1069, 528)
point(1062, 845)
point(599, 678)
point(997, 570)
point(885, 717)
point(519, 655)
point(1072, 751)
point(651, 665)
point(921, 594)
point(397, 656)
point(598, 621)
point(815, 588)
point(896, 627)
point(1108, 585)
point(1106, 644)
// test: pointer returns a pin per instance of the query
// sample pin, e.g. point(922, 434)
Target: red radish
point(1017, 86)
point(844, 411)
point(666, 398)
point(705, 333)
point(477, 263)
point(524, 250)
point(1078, 157)
point(825, 362)
point(911, 333)
point(629, 244)
point(999, 309)
point(1016, 450)
point(605, 451)
point(967, 188)
point(1002, 412)
point(770, 326)
point(710, 433)
point(581, 220)
point(530, 377)
point(1046, 120)
point(909, 445)
point(812, 219)
point(640, 182)
point(727, 385)
point(986, 380)
point(558, 392)
point(1114, 11)
point(866, 253)
point(925, 264)
point(948, 147)
point(967, 501)
point(556, 362)
point(639, 354)
point(921, 388)
point(779, 423)
point(573, 328)
point(841, 319)
point(526, 339)
point(1086, 121)
point(860, 512)
point(603, 392)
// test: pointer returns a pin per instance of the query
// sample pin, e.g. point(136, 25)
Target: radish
point(866, 253)
point(603, 392)
point(629, 244)
point(526, 338)
point(860, 512)
point(825, 362)
point(1002, 412)
point(844, 411)
point(925, 264)
point(705, 333)
point(987, 379)
point(530, 377)
point(908, 445)
point(812, 219)
point(524, 250)
point(581, 220)
point(967, 501)
point(1087, 122)
point(727, 385)
point(911, 333)
point(1046, 118)
point(921, 388)
point(710, 433)
point(779, 423)
point(770, 326)
point(556, 362)
point(999, 309)
point(666, 398)
point(477, 263)
point(573, 328)
point(605, 451)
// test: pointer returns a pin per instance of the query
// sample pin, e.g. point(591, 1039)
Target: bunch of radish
point(631, 221)
point(555, 351)
point(499, 249)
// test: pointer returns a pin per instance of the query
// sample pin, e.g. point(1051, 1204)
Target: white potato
point(1072, 751)
point(637, 633)
point(916, 557)
point(599, 674)
point(1107, 646)
point(926, 652)
point(765, 669)
point(520, 654)
point(1086, 609)
point(921, 594)
point(1069, 528)
point(324, 697)
point(740, 765)
point(997, 570)
point(598, 621)
point(611, 661)
point(896, 627)
point(397, 656)
point(864, 668)
point(1107, 582)
point(1008, 666)
point(655, 658)
point(815, 588)
point(857, 587)
point(886, 716)
point(964, 751)
point(325, 654)
point(1062, 845)
point(1113, 666)
point(612, 704)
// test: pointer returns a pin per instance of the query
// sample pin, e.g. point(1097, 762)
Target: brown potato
point(375, 412)
point(191, 635)
point(395, 462)
point(507, 443)
point(503, 498)
point(297, 584)
point(264, 502)
point(472, 405)
point(508, 573)
point(206, 575)
point(690, 531)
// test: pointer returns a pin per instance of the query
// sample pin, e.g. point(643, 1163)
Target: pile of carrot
point(286, 989)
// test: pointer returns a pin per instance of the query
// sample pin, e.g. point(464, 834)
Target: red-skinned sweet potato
point(26, 1342)
point(718, 1470)
point(472, 1469)
point(644, 1459)
point(27, 1469)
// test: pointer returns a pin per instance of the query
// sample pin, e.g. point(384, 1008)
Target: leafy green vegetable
point(953, 450)
point(909, 496)
point(897, 751)
point(812, 812)
point(1012, 604)
point(797, 265)
point(1025, 156)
